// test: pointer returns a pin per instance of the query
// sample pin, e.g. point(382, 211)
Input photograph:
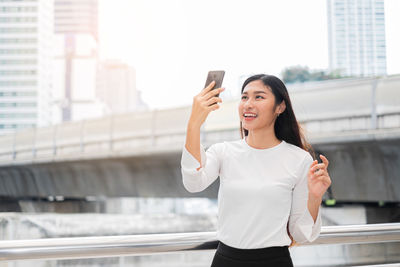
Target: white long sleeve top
point(260, 192)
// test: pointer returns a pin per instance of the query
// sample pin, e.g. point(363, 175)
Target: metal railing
point(139, 245)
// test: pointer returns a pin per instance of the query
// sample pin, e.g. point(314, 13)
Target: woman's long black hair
point(286, 126)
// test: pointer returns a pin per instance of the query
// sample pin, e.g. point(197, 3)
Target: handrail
point(131, 245)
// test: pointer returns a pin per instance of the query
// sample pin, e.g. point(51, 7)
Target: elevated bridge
point(354, 122)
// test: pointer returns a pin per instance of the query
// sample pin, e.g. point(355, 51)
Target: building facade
point(26, 32)
point(356, 37)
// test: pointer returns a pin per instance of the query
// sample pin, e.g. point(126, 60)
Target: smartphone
point(217, 76)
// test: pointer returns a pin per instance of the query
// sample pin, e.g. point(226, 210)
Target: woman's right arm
point(193, 154)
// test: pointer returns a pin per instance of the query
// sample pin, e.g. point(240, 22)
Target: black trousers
point(226, 256)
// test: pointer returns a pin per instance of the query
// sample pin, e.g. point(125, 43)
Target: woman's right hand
point(203, 103)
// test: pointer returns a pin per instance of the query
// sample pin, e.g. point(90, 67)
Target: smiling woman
point(257, 106)
point(266, 96)
point(269, 193)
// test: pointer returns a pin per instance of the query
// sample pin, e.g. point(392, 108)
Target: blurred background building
point(356, 33)
point(75, 60)
point(86, 87)
point(26, 32)
point(116, 87)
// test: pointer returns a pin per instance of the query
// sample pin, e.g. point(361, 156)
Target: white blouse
point(260, 191)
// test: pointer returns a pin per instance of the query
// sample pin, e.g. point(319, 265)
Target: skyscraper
point(356, 37)
point(26, 30)
point(76, 57)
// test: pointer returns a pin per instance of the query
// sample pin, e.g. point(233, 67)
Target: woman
point(270, 186)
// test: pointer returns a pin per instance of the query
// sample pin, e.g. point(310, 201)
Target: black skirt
point(226, 256)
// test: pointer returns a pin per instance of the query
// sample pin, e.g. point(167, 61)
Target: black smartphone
point(217, 76)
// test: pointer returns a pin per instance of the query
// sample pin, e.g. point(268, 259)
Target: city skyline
point(171, 48)
point(174, 45)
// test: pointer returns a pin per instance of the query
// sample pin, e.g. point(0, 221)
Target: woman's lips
point(249, 118)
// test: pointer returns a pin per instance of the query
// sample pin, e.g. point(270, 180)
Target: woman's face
point(259, 100)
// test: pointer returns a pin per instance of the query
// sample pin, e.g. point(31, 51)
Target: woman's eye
point(243, 97)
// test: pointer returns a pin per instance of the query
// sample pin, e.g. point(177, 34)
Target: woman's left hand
point(318, 181)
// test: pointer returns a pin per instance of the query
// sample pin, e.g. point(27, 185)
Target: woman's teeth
point(249, 117)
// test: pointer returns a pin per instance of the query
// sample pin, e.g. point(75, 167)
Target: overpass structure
point(355, 123)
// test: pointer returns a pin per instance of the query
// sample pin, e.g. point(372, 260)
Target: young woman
point(270, 185)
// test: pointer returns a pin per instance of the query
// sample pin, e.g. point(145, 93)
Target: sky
point(173, 44)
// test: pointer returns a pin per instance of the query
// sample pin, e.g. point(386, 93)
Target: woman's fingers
point(321, 175)
point(318, 166)
point(213, 100)
point(204, 103)
point(214, 106)
point(213, 92)
point(318, 172)
point(207, 88)
point(310, 169)
point(325, 160)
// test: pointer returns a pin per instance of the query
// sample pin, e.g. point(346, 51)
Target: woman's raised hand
point(203, 103)
point(318, 178)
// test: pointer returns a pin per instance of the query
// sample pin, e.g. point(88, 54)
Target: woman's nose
point(248, 103)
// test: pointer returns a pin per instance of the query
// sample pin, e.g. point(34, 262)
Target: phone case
point(217, 76)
